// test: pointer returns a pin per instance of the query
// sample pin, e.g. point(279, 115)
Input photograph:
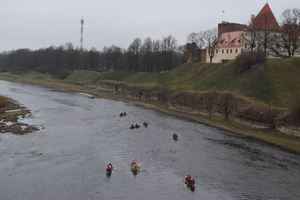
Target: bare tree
point(135, 48)
point(201, 40)
point(156, 51)
point(287, 43)
point(164, 48)
point(192, 38)
point(169, 45)
point(211, 40)
point(266, 33)
point(264, 29)
point(62, 60)
point(251, 36)
point(197, 38)
point(182, 51)
point(147, 54)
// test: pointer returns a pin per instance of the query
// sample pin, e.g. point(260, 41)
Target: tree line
point(141, 56)
point(205, 40)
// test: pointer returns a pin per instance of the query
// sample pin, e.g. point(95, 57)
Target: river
point(78, 137)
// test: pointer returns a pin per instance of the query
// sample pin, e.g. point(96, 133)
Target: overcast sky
point(42, 23)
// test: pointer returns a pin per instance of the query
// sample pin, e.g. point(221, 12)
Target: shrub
point(246, 60)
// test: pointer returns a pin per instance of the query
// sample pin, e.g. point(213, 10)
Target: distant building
point(193, 53)
point(262, 29)
point(234, 38)
point(230, 45)
point(264, 20)
point(226, 27)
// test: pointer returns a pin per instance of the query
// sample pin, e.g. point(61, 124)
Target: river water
point(78, 136)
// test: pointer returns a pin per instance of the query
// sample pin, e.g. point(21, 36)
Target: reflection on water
point(67, 159)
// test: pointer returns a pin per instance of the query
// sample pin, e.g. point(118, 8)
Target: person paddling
point(133, 163)
point(135, 168)
point(145, 124)
point(109, 169)
point(110, 166)
point(175, 136)
point(190, 182)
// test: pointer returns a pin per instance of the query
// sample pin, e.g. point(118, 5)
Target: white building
point(230, 45)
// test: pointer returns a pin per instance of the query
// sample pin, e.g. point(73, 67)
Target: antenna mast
point(81, 33)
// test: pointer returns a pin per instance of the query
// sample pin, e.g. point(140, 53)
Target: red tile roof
point(231, 39)
point(265, 19)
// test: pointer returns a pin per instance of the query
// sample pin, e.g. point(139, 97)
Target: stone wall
point(192, 53)
point(221, 105)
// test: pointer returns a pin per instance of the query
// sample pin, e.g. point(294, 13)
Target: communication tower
point(81, 33)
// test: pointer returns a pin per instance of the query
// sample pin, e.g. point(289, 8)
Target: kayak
point(108, 171)
point(190, 185)
point(175, 137)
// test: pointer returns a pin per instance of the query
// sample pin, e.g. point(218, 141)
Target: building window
point(222, 50)
point(236, 50)
point(241, 50)
point(230, 50)
point(226, 50)
point(216, 51)
point(246, 46)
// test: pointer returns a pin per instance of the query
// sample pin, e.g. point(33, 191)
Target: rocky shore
point(10, 113)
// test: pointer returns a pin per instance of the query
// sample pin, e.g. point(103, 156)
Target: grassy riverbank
point(277, 82)
point(284, 141)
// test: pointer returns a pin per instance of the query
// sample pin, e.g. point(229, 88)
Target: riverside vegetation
point(261, 103)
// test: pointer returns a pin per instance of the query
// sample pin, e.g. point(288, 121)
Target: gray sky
point(41, 23)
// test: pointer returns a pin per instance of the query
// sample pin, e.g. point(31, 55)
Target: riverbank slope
point(267, 96)
point(224, 109)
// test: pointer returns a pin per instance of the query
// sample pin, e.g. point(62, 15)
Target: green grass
point(137, 78)
point(277, 82)
point(38, 76)
point(82, 76)
point(285, 76)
